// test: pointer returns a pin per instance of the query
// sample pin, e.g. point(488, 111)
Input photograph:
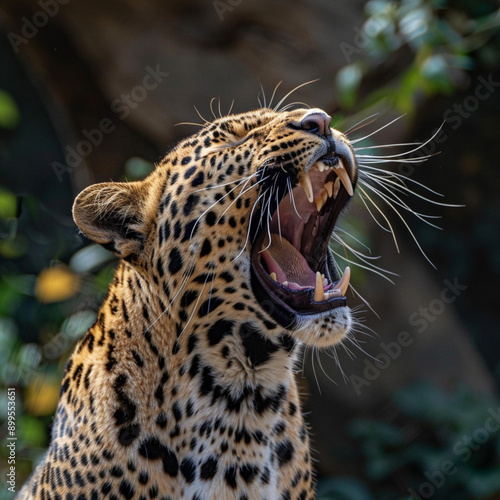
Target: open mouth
point(293, 270)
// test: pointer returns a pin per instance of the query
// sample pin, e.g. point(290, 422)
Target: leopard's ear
point(114, 214)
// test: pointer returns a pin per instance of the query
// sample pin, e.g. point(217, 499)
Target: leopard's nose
point(317, 122)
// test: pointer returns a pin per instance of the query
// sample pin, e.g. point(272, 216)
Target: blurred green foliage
point(436, 444)
point(9, 113)
point(434, 41)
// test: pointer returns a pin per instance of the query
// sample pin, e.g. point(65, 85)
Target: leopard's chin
point(294, 274)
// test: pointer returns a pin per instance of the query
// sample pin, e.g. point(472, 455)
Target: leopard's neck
point(161, 354)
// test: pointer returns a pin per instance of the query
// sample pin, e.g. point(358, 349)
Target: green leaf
point(137, 168)
point(382, 433)
point(8, 204)
point(484, 483)
point(9, 112)
point(348, 81)
point(435, 73)
point(32, 430)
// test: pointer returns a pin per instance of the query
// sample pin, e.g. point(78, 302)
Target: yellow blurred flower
point(56, 284)
point(41, 398)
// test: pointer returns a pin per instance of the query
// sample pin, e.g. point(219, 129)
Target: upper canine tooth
point(319, 203)
point(329, 188)
point(319, 293)
point(305, 182)
point(336, 187)
point(344, 178)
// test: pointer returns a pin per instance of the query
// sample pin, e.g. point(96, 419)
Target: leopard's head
point(239, 216)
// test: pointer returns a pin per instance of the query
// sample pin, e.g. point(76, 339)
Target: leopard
point(185, 387)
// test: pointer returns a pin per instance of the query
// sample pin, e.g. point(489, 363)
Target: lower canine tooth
point(344, 281)
point(319, 294)
point(273, 277)
point(305, 182)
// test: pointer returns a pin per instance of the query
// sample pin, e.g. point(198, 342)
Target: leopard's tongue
point(287, 263)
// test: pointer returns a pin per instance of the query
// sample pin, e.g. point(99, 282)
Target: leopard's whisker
point(355, 141)
point(262, 103)
point(274, 93)
point(395, 210)
point(277, 107)
point(348, 351)
point(211, 107)
point(248, 229)
point(200, 115)
point(305, 354)
point(268, 228)
point(318, 357)
point(189, 123)
point(339, 229)
point(293, 104)
point(353, 289)
point(215, 203)
point(277, 209)
point(292, 199)
point(390, 196)
point(386, 146)
point(336, 237)
point(360, 124)
point(195, 307)
point(369, 182)
point(357, 345)
point(400, 178)
point(181, 287)
point(379, 224)
point(240, 194)
point(391, 230)
point(365, 301)
point(332, 353)
point(216, 186)
point(314, 352)
point(361, 256)
point(401, 187)
point(368, 159)
point(220, 111)
point(369, 267)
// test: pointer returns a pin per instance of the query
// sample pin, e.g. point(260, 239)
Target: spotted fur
point(184, 388)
